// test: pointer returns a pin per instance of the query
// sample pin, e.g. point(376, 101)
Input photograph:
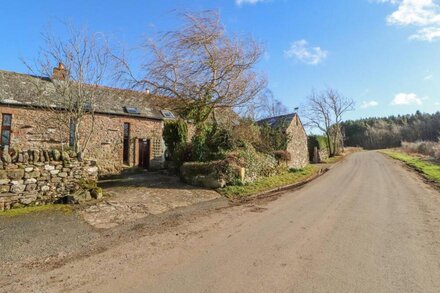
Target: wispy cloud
point(306, 54)
point(252, 2)
point(369, 104)
point(424, 14)
point(428, 77)
point(266, 56)
point(406, 99)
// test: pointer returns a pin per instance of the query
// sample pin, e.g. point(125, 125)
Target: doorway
point(126, 145)
point(144, 153)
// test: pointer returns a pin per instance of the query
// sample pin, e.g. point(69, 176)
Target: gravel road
point(368, 225)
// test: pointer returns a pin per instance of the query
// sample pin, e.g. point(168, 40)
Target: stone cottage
point(127, 128)
point(292, 126)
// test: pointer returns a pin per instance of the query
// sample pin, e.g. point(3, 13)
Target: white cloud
point(415, 12)
point(306, 54)
point(437, 103)
point(241, 2)
point(428, 77)
point(406, 99)
point(369, 104)
point(424, 14)
point(426, 34)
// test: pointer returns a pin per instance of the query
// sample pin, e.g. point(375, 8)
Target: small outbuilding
point(293, 128)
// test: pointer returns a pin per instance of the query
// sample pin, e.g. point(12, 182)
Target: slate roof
point(21, 90)
point(282, 121)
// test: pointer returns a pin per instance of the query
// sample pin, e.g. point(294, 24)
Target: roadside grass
point(429, 170)
point(333, 160)
point(268, 183)
point(347, 151)
point(36, 209)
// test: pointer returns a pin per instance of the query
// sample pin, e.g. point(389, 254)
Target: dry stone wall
point(37, 177)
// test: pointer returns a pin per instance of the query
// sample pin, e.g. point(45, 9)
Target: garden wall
point(45, 176)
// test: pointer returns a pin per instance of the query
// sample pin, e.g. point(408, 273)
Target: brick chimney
point(60, 72)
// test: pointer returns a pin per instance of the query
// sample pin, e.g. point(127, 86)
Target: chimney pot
point(60, 72)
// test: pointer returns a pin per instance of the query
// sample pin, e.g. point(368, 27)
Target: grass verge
point(429, 170)
point(36, 209)
point(269, 183)
point(333, 160)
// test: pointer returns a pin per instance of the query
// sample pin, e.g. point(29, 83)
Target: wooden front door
point(144, 153)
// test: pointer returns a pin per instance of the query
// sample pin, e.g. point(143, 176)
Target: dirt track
point(368, 225)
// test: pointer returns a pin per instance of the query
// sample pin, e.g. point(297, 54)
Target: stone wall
point(323, 155)
point(203, 174)
point(37, 128)
point(41, 176)
point(106, 145)
point(297, 146)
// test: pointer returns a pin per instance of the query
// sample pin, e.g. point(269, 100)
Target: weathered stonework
point(34, 128)
point(39, 181)
point(297, 146)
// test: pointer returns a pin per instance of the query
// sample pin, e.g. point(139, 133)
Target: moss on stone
point(19, 211)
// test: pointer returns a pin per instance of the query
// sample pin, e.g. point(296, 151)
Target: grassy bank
point(428, 169)
point(36, 209)
point(269, 183)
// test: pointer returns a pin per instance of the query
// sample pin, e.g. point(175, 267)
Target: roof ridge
point(279, 116)
point(15, 86)
point(47, 78)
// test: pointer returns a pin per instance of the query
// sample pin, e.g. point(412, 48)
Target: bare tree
point(265, 105)
point(199, 67)
point(270, 106)
point(324, 111)
point(73, 86)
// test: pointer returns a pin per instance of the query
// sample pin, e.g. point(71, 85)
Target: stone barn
point(292, 126)
point(127, 128)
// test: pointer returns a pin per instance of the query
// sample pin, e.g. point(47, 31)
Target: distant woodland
point(376, 133)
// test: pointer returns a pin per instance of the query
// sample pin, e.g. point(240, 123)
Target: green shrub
point(257, 164)
point(212, 143)
point(175, 134)
point(221, 169)
point(247, 132)
point(220, 140)
point(200, 149)
point(273, 138)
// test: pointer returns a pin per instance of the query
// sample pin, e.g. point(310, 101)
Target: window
point(6, 129)
point(72, 130)
point(132, 110)
point(157, 148)
point(126, 146)
point(167, 114)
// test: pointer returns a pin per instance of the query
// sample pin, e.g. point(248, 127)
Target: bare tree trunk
point(329, 145)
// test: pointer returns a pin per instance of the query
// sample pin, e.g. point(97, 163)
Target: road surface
point(368, 225)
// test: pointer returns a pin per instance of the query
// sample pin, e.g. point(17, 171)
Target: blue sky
point(385, 54)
